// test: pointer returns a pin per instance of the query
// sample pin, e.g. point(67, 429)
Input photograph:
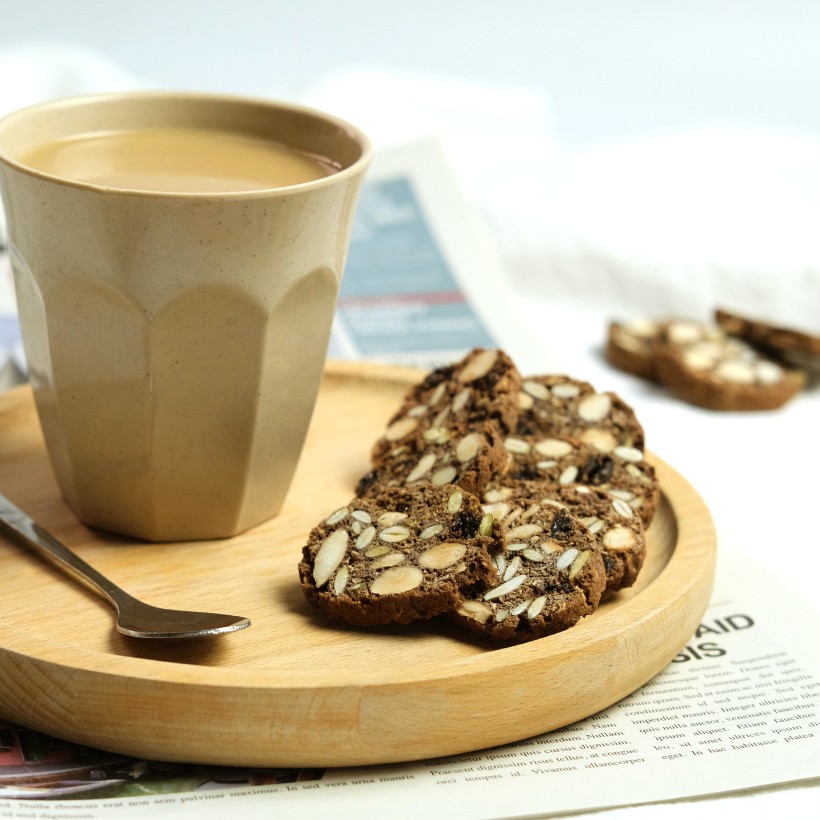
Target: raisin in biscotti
point(623, 473)
point(552, 575)
point(614, 524)
point(557, 405)
point(707, 367)
point(482, 387)
point(796, 347)
point(409, 553)
point(467, 456)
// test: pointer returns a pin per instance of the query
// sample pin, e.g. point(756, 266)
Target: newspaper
point(422, 281)
point(744, 691)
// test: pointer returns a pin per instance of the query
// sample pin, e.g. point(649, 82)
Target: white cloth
point(45, 72)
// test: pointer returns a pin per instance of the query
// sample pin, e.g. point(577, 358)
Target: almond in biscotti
point(630, 346)
point(408, 553)
point(481, 387)
point(798, 348)
point(551, 575)
point(561, 406)
point(705, 366)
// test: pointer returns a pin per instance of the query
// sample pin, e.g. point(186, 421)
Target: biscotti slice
point(558, 405)
point(630, 346)
point(614, 524)
point(467, 456)
point(552, 575)
point(796, 347)
point(406, 554)
point(482, 387)
point(623, 473)
point(704, 366)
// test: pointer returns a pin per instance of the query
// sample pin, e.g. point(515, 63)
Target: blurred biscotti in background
point(733, 363)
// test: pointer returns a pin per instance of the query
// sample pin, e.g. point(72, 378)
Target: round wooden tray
point(294, 690)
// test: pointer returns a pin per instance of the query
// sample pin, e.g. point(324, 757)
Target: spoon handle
point(16, 522)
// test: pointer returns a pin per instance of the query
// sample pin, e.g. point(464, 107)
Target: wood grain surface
point(294, 690)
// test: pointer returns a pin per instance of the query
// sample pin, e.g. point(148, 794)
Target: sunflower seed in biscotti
point(427, 547)
point(703, 365)
point(560, 406)
point(798, 348)
point(615, 525)
point(623, 473)
point(481, 387)
point(551, 576)
point(467, 456)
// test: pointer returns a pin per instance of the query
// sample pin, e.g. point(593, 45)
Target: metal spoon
point(134, 618)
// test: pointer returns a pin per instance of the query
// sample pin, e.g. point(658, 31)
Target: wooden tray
point(293, 690)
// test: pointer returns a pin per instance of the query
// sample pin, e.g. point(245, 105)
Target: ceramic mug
point(175, 341)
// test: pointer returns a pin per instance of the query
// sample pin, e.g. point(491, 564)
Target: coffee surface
point(177, 160)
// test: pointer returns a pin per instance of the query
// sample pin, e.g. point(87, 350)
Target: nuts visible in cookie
point(631, 346)
point(469, 457)
point(705, 366)
point(566, 487)
point(615, 525)
point(551, 575)
point(560, 406)
point(796, 347)
point(611, 520)
point(480, 388)
point(624, 472)
point(736, 364)
point(405, 554)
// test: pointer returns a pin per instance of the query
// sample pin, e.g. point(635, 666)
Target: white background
point(611, 67)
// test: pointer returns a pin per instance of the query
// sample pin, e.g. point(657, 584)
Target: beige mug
point(176, 340)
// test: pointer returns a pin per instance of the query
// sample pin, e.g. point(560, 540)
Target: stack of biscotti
point(511, 505)
point(733, 363)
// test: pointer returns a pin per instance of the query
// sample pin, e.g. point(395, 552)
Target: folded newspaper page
point(422, 282)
